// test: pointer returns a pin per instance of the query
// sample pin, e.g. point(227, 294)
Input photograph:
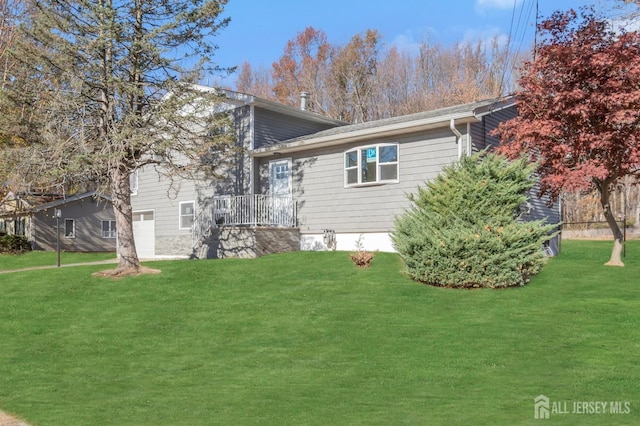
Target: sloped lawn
point(306, 338)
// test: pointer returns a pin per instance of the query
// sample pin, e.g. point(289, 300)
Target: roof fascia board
point(289, 110)
point(496, 106)
point(364, 134)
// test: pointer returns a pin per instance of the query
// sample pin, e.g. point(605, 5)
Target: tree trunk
point(121, 200)
point(616, 252)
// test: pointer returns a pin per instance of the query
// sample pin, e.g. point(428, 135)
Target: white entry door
point(280, 177)
point(144, 234)
point(281, 203)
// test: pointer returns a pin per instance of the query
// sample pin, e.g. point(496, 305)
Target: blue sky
point(259, 29)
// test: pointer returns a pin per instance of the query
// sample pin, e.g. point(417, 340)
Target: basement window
point(369, 165)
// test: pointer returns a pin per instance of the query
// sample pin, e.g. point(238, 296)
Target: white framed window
point(69, 228)
point(108, 229)
point(371, 164)
point(187, 214)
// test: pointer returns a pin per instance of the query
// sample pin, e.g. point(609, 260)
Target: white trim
point(180, 204)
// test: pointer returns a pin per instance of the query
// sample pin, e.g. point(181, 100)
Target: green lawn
point(48, 258)
point(306, 338)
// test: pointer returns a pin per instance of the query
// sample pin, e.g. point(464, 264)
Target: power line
point(520, 32)
point(506, 60)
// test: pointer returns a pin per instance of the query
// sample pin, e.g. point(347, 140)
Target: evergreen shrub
point(14, 244)
point(463, 229)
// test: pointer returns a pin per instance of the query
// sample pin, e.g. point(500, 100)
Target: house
point(308, 182)
point(86, 222)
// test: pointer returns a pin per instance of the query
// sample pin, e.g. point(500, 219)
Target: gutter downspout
point(452, 126)
point(469, 140)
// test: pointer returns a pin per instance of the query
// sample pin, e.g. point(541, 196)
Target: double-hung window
point(187, 214)
point(373, 164)
point(108, 229)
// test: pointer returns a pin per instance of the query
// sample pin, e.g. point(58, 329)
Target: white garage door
point(144, 233)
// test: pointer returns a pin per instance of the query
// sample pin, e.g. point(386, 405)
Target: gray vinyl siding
point(324, 202)
point(157, 194)
point(481, 139)
point(271, 127)
point(87, 213)
point(481, 132)
point(234, 172)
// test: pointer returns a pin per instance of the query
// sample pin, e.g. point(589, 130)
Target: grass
point(307, 338)
point(45, 258)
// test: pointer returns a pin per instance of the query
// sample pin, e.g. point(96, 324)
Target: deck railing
point(254, 210)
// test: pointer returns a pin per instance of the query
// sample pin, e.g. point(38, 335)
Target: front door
point(281, 204)
point(280, 177)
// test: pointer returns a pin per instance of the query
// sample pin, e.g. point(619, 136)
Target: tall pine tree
point(117, 89)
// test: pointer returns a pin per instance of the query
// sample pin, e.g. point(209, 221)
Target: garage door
point(144, 233)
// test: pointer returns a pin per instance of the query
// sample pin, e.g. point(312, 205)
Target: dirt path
point(33, 268)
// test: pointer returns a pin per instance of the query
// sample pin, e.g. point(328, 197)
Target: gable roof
point(466, 113)
point(63, 201)
point(28, 208)
point(239, 99)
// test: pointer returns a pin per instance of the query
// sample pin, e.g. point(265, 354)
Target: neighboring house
point(305, 181)
point(86, 223)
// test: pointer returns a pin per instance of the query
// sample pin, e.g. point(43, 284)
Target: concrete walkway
point(68, 265)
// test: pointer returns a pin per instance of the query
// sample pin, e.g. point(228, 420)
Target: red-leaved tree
point(579, 109)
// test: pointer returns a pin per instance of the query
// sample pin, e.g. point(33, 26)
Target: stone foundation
point(248, 242)
point(176, 245)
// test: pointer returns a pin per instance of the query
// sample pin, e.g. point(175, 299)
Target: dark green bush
point(463, 228)
point(14, 244)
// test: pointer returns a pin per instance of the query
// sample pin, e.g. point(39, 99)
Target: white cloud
point(410, 42)
point(485, 35)
point(496, 4)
